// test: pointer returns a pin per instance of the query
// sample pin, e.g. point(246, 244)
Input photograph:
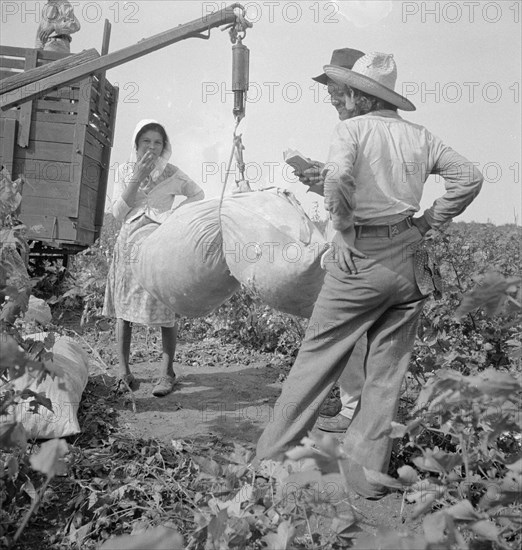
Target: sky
point(458, 62)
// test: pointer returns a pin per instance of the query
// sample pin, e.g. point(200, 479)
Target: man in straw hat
point(352, 378)
point(376, 282)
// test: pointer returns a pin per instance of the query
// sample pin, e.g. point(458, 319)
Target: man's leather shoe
point(334, 424)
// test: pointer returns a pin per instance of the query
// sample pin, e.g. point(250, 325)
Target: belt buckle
point(394, 230)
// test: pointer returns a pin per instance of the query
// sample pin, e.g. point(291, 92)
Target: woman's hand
point(345, 251)
point(143, 168)
point(141, 171)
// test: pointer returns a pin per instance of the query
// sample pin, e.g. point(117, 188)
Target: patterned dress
point(124, 297)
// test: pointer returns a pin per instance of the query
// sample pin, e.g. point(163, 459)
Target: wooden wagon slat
point(58, 106)
point(12, 63)
point(86, 214)
point(95, 137)
point(63, 93)
point(87, 211)
point(12, 51)
point(36, 170)
point(35, 204)
point(92, 171)
point(52, 190)
point(93, 149)
point(54, 117)
point(52, 132)
point(6, 73)
point(47, 227)
point(101, 135)
point(100, 115)
point(45, 151)
point(7, 147)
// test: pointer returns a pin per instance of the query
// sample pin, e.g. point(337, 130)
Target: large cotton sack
point(65, 393)
point(181, 263)
point(273, 248)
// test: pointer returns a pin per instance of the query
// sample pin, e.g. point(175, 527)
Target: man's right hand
point(313, 178)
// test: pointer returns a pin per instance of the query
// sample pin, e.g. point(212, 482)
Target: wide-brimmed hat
point(375, 73)
point(345, 57)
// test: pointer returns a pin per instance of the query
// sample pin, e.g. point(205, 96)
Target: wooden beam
point(30, 76)
point(193, 29)
point(104, 51)
point(106, 37)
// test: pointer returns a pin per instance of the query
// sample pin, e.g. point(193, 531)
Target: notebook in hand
point(297, 161)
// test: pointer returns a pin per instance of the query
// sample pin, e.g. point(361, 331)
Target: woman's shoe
point(164, 386)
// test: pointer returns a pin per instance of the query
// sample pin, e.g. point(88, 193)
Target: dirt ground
point(225, 393)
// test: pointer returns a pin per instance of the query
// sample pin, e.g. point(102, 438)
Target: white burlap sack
point(273, 248)
point(181, 263)
point(64, 392)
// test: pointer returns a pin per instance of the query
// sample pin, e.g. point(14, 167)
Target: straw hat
point(374, 73)
point(345, 57)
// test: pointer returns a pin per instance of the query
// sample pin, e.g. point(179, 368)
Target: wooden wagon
point(61, 144)
point(57, 125)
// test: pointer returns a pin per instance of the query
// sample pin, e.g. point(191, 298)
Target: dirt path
point(226, 394)
point(228, 401)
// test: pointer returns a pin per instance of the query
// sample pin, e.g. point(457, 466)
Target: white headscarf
point(127, 168)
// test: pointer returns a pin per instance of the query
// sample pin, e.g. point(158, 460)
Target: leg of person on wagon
point(144, 195)
point(375, 282)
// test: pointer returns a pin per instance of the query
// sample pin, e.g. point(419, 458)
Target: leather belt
point(392, 230)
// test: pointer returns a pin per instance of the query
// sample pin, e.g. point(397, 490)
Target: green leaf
point(397, 430)
point(516, 466)
point(217, 527)
point(407, 474)
point(159, 538)
point(490, 295)
point(372, 476)
point(12, 436)
point(29, 489)
point(324, 449)
point(77, 535)
point(48, 460)
point(463, 510)
point(390, 540)
point(494, 383)
point(434, 526)
point(485, 529)
point(208, 466)
point(283, 538)
point(422, 505)
point(437, 461)
point(38, 399)
point(10, 352)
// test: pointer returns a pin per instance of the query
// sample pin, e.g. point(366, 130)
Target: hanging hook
point(239, 27)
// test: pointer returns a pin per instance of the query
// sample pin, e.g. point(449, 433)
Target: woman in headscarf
point(144, 193)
